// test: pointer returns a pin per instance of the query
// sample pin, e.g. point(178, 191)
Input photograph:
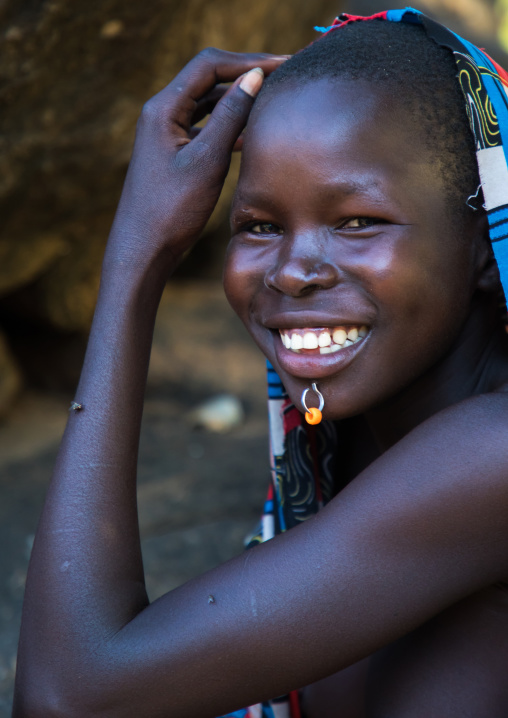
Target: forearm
point(86, 575)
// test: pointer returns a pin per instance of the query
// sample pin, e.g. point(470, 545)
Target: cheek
point(394, 277)
point(241, 278)
point(420, 279)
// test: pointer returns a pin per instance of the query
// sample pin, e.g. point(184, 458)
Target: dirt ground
point(200, 493)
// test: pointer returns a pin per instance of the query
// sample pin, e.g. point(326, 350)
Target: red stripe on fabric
point(291, 417)
point(338, 22)
point(503, 75)
point(353, 18)
point(311, 435)
point(294, 705)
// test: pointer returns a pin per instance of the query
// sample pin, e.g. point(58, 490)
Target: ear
point(487, 271)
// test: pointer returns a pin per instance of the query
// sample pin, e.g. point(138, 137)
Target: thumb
point(230, 115)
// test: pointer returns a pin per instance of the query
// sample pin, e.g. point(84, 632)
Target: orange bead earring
point(313, 415)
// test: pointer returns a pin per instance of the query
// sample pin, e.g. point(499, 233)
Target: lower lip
point(316, 366)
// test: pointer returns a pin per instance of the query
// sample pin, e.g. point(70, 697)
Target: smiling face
point(346, 264)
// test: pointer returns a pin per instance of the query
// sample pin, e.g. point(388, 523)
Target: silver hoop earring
point(313, 416)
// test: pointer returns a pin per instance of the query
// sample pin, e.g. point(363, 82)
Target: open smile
point(318, 351)
point(327, 340)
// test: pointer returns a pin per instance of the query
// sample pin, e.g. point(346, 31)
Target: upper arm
point(422, 527)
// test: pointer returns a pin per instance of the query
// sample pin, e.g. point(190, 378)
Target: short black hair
point(421, 74)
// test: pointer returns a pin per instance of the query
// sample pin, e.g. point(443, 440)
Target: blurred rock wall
point(73, 76)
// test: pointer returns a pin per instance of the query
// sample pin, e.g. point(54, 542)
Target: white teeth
point(310, 341)
point(324, 339)
point(296, 342)
point(339, 336)
point(330, 350)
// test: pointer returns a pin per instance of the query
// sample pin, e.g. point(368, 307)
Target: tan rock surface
point(73, 78)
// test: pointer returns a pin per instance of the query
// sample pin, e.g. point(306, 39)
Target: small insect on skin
point(211, 599)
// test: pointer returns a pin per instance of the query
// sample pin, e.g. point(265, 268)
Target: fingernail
point(252, 81)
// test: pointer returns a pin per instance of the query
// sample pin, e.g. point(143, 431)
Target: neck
point(476, 363)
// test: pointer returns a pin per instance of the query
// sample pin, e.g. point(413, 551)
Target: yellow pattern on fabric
point(486, 118)
point(490, 73)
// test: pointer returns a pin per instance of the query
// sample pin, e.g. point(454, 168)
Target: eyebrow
point(242, 201)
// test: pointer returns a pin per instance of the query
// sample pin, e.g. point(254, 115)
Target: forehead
point(300, 106)
point(333, 133)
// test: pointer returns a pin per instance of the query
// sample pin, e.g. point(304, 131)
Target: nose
point(301, 267)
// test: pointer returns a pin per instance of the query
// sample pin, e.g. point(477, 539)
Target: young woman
point(361, 262)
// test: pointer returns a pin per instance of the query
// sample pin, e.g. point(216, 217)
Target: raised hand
point(177, 171)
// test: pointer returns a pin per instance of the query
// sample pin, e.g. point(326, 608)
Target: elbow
point(47, 694)
point(36, 701)
point(46, 705)
point(30, 702)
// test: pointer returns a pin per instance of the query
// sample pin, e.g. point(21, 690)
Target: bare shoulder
point(467, 440)
point(443, 488)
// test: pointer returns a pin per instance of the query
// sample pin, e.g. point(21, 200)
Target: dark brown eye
point(264, 228)
point(360, 223)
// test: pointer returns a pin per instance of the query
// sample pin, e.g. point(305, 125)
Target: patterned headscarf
point(304, 457)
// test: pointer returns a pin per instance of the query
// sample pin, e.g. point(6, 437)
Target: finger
point(207, 103)
point(178, 100)
point(212, 66)
point(238, 146)
point(229, 117)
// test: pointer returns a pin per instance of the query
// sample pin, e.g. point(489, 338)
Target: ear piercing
point(313, 415)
